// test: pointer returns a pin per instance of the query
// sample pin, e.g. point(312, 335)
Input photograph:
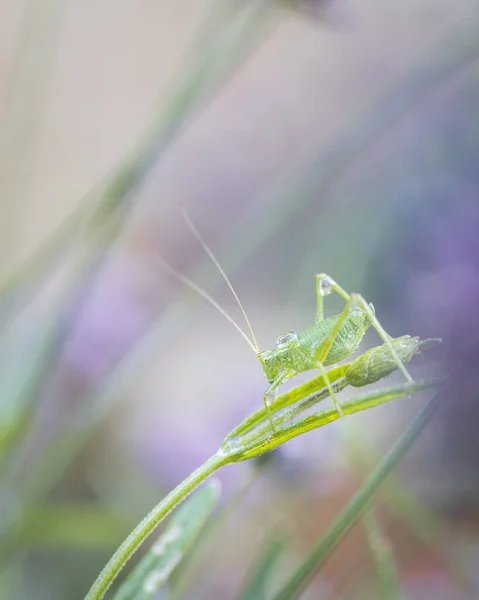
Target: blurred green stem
point(108, 203)
point(383, 557)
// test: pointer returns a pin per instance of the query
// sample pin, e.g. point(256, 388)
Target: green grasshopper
point(325, 343)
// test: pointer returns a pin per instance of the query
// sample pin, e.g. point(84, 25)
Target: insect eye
point(286, 337)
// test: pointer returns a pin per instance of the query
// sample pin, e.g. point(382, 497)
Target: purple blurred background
point(343, 139)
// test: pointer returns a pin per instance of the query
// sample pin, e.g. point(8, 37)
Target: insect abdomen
point(347, 340)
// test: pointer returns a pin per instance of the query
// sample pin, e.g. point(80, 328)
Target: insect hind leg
point(329, 341)
point(327, 381)
point(326, 285)
point(386, 338)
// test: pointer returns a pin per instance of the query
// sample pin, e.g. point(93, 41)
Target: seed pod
point(377, 363)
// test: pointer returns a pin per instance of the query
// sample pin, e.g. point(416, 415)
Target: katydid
point(325, 343)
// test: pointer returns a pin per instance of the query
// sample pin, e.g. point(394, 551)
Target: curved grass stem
point(150, 522)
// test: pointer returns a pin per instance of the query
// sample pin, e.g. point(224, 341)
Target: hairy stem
point(149, 523)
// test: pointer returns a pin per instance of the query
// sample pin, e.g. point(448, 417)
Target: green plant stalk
point(150, 522)
point(17, 393)
point(383, 557)
point(171, 547)
point(260, 440)
point(427, 526)
point(253, 444)
point(262, 569)
point(355, 508)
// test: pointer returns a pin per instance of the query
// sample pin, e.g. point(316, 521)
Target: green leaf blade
point(256, 584)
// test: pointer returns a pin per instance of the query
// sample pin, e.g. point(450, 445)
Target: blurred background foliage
point(337, 136)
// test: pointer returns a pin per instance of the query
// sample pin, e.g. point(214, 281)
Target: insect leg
point(328, 285)
point(326, 347)
point(386, 338)
point(270, 393)
point(336, 403)
point(328, 342)
point(319, 297)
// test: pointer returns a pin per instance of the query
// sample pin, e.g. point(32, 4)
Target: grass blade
point(256, 585)
point(383, 557)
point(355, 508)
point(260, 440)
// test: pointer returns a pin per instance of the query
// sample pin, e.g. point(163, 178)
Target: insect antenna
point(209, 252)
point(191, 284)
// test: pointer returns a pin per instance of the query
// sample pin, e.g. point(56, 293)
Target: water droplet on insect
point(355, 304)
point(286, 337)
point(325, 286)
